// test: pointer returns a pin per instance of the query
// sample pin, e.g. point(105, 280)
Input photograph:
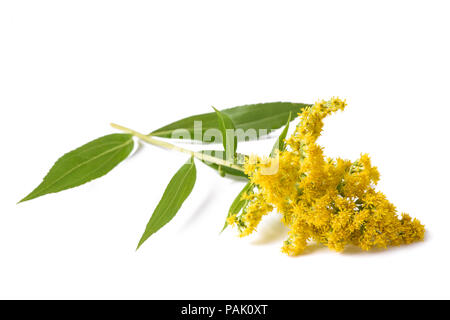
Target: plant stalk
point(167, 145)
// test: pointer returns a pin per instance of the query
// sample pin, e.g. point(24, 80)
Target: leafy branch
point(96, 158)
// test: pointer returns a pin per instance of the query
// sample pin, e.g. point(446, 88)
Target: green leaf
point(238, 203)
point(221, 155)
point(178, 189)
point(280, 143)
point(229, 139)
point(263, 116)
point(89, 162)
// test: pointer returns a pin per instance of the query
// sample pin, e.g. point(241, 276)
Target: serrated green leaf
point(229, 139)
point(238, 203)
point(280, 143)
point(88, 162)
point(178, 189)
point(262, 118)
point(226, 170)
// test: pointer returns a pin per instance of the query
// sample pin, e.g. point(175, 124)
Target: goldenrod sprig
point(331, 201)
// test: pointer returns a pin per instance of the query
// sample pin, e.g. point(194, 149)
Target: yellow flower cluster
point(331, 201)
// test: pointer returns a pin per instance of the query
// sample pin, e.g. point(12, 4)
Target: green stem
point(167, 145)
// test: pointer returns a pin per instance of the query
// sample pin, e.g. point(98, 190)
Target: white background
point(69, 68)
